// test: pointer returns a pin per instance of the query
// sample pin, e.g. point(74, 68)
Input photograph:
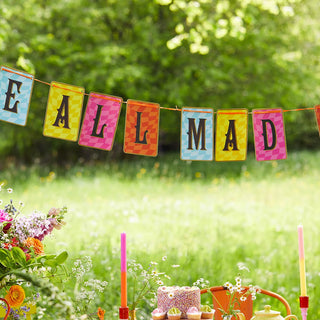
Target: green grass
point(204, 216)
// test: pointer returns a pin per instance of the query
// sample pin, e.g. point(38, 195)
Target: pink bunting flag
point(269, 134)
point(100, 121)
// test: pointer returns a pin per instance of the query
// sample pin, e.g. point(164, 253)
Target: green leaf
point(6, 258)
point(62, 257)
point(19, 256)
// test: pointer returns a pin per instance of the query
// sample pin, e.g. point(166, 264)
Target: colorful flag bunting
point(100, 121)
point(231, 135)
point(269, 134)
point(15, 94)
point(63, 114)
point(196, 134)
point(317, 113)
point(142, 128)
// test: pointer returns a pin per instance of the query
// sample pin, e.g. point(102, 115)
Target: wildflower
point(4, 216)
point(170, 295)
point(100, 313)
point(36, 244)
point(10, 190)
point(164, 258)
point(15, 296)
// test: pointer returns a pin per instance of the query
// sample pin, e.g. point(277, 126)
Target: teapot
point(268, 314)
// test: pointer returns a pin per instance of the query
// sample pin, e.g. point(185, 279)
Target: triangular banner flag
point(63, 114)
point(15, 94)
point(100, 121)
point(269, 134)
point(231, 135)
point(196, 134)
point(142, 128)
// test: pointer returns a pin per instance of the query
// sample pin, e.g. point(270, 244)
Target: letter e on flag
point(15, 95)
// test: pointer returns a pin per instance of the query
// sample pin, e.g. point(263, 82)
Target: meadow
point(204, 217)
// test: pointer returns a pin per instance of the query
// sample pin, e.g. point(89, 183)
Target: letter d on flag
point(269, 134)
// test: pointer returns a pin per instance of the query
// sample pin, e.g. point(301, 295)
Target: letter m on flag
point(196, 134)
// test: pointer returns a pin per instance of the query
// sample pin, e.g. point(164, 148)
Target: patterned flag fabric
point(15, 94)
point(63, 111)
point(197, 134)
point(269, 134)
point(100, 121)
point(142, 128)
point(231, 135)
point(317, 113)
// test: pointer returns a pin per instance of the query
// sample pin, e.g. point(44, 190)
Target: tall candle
point(123, 270)
point(303, 285)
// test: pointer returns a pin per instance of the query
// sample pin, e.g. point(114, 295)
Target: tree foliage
point(219, 54)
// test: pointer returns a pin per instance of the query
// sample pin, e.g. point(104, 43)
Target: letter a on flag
point(63, 114)
point(142, 128)
point(197, 134)
point(15, 94)
point(100, 121)
point(232, 135)
point(269, 134)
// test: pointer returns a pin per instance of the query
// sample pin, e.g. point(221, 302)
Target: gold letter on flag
point(63, 111)
point(231, 135)
point(142, 128)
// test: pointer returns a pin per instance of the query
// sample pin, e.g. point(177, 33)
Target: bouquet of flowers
point(23, 262)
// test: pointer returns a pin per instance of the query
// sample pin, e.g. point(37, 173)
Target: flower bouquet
point(24, 266)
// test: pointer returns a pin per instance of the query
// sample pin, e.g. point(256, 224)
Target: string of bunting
point(100, 121)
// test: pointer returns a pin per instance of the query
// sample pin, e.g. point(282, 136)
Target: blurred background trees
point(205, 53)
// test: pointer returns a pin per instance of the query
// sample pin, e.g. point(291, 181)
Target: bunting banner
point(63, 114)
point(196, 134)
point(142, 128)
point(317, 112)
point(100, 121)
point(269, 134)
point(15, 95)
point(232, 135)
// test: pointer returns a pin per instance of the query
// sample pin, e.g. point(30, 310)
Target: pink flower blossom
point(4, 217)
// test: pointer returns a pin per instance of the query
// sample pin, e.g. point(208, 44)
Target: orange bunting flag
point(142, 128)
point(232, 135)
point(63, 113)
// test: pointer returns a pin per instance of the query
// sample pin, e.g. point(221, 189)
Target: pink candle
point(123, 270)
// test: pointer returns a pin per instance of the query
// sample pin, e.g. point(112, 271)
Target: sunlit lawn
point(204, 216)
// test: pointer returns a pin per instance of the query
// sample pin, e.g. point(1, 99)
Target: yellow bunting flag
point(232, 135)
point(63, 111)
point(142, 128)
